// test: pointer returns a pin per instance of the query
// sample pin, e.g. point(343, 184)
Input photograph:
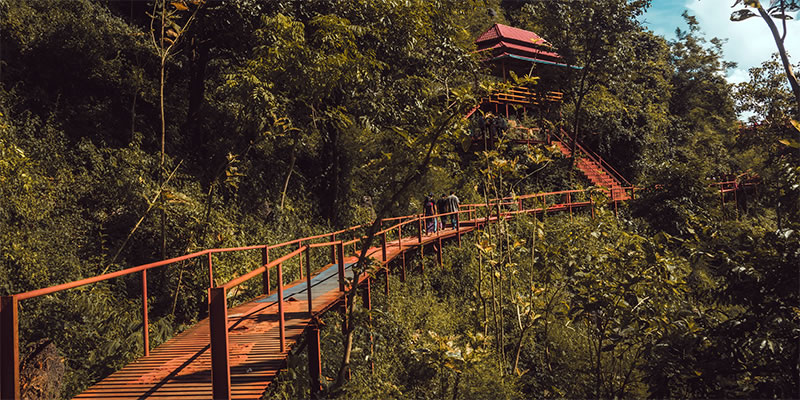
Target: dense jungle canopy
point(132, 131)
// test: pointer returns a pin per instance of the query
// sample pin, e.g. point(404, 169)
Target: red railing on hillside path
point(469, 216)
point(566, 139)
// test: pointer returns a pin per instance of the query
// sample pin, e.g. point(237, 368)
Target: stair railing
point(564, 137)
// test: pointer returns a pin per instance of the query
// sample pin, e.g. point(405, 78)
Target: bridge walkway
point(181, 367)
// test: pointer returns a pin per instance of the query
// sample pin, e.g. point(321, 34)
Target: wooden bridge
point(238, 351)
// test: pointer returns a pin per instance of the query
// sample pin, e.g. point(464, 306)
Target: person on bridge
point(429, 208)
point(452, 206)
point(442, 206)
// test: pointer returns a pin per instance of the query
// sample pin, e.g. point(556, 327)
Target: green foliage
point(286, 118)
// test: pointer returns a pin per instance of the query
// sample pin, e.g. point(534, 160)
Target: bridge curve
point(237, 352)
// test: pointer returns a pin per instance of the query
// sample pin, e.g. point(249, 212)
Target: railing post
point(400, 237)
point(308, 282)
point(367, 299)
point(403, 271)
point(145, 318)
point(220, 366)
point(615, 202)
point(569, 204)
point(281, 321)
point(333, 248)
point(265, 276)
point(9, 348)
point(386, 274)
point(340, 250)
point(300, 259)
point(458, 227)
point(314, 358)
point(210, 274)
point(439, 254)
point(419, 229)
point(383, 246)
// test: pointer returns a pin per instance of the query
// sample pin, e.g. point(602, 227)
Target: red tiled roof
point(501, 45)
point(508, 32)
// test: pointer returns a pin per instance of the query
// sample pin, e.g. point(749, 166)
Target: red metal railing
point(468, 216)
point(564, 137)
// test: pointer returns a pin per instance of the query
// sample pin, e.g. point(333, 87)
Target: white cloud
point(738, 75)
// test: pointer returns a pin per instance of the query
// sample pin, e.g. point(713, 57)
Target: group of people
point(445, 204)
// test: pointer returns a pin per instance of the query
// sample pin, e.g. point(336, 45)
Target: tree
point(172, 26)
point(591, 41)
point(777, 9)
point(767, 95)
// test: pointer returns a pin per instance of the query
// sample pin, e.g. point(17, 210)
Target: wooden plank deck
point(181, 367)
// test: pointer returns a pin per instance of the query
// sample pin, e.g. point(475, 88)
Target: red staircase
point(596, 170)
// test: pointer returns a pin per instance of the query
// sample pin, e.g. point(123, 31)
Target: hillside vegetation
point(132, 132)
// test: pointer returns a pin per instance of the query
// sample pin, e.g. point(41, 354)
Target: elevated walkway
point(237, 352)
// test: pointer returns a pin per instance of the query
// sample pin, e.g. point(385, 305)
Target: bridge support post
point(419, 229)
point(9, 348)
point(403, 270)
point(210, 274)
point(340, 250)
point(383, 247)
point(458, 227)
point(386, 275)
point(281, 320)
point(220, 367)
point(300, 259)
point(265, 276)
point(439, 252)
point(421, 258)
point(145, 318)
point(308, 282)
point(314, 358)
point(366, 297)
point(333, 248)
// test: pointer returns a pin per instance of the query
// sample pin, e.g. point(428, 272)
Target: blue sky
point(749, 42)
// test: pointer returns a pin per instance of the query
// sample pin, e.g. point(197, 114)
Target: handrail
point(561, 134)
point(252, 274)
point(217, 294)
point(110, 275)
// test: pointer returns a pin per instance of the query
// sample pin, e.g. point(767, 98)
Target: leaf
point(179, 6)
point(741, 15)
point(790, 142)
point(795, 124)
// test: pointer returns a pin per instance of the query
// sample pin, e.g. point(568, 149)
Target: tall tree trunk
point(401, 187)
point(576, 118)
point(787, 66)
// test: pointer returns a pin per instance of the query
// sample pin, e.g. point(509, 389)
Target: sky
point(749, 42)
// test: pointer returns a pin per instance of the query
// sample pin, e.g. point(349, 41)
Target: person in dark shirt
point(429, 208)
point(442, 206)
